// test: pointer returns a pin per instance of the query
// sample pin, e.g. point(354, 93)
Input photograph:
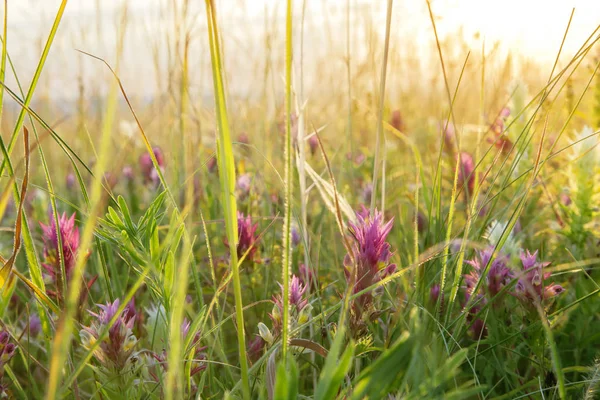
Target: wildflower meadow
point(312, 208)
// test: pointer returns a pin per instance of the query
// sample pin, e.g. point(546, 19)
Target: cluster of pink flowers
point(530, 287)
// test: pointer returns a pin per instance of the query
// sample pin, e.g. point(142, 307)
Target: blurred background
point(252, 31)
point(159, 49)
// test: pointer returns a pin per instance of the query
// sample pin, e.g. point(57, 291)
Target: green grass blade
point(35, 79)
point(226, 167)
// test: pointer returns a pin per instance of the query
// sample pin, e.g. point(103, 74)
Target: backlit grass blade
point(62, 339)
point(226, 167)
point(35, 79)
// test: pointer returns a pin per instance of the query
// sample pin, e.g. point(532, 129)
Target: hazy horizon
point(533, 29)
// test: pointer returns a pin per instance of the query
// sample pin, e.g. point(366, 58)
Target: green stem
point(288, 183)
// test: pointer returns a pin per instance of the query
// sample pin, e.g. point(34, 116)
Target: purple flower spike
point(212, 164)
point(69, 235)
point(306, 275)
point(149, 173)
point(128, 173)
point(466, 169)
point(185, 327)
point(367, 192)
point(498, 275)
point(298, 303)
point(369, 261)
point(449, 137)
point(34, 325)
point(297, 290)
point(530, 288)
point(296, 238)
point(313, 144)
point(243, 184)
point(243, 138)
point(247, 237)
point(116, 349)
point(255, 348)
point(434, 293)
point(70, 181)
point(7, 349)
point(397, 121)
point(565, 199)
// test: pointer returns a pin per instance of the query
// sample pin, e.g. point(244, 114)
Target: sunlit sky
point(532, 27)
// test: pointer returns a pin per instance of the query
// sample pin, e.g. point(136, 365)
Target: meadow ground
point(349, 214)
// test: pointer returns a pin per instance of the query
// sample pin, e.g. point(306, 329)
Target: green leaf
point(335, 368)
point(286, 382)
point(379, 378)
point(126, 215)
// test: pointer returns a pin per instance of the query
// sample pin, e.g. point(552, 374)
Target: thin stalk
point(4, 53)
point(378, 139)
point(288, 185)
point(349, 102)
point(302, 173)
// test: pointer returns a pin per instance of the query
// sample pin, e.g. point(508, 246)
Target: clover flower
point(306, 275)
point(70, 181)
point(34, 325)
point(128, 173)
point(531, 288)
point(497, 276)
point(247, 237)
point(243, 185)
point(256, 347)
point(367, 192)
point(115, 351)
point(313, 144)
point(296, 237)
point(211, 165)
point(397, 121)
point(299, 307)
point(434, 293)
point(466, 171)
point(149, 172)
